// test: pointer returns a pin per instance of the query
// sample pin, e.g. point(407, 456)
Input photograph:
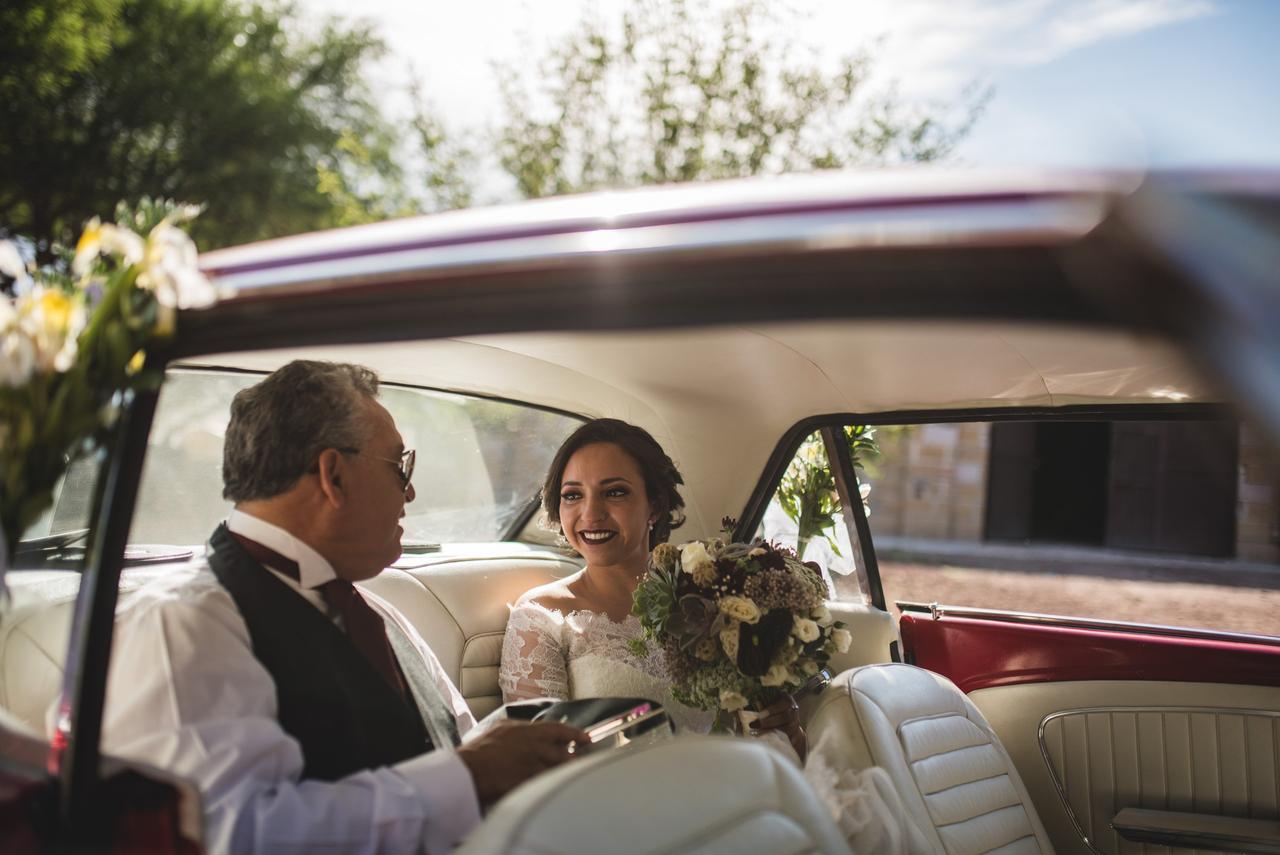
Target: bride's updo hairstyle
point(660, 475)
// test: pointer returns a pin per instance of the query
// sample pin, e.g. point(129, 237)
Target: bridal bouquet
point(71, 344)
point(740, 624)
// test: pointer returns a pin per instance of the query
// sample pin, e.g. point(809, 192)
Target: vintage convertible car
point(740, 323)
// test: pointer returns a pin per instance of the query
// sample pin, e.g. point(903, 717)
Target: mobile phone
point(613, 730)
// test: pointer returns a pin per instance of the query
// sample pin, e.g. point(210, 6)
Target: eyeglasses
point(404, 465)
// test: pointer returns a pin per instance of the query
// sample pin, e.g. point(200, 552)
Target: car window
point(480, 462)
point(1170, 522)
point(806, 511)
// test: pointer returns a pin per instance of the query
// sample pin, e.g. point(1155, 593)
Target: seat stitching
point(974, 781)
point(951, 751)
point(988, 813)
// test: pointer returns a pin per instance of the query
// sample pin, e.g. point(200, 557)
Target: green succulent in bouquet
point(72, 340)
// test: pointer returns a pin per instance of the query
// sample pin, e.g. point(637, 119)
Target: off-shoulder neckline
point(585, 613)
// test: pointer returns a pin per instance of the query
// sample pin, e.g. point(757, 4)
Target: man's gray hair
point(279, 426)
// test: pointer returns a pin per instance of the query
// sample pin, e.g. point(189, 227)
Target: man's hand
point(514, 751)
point(784, 715)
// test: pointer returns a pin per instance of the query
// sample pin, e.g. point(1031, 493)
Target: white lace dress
point(584, 654)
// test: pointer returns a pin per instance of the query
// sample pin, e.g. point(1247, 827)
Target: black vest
point(329, 698)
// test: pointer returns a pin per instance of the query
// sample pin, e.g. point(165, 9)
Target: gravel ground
point(1195, 600)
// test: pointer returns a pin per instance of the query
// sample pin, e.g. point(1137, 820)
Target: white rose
point(805, 630)
point(729, 641)
point(842, 639)
point(822, 615)
point(697, 562)
point(732, 701)
point(740, 608)
point(757, 552)
point(809, 667)
point(777, 675)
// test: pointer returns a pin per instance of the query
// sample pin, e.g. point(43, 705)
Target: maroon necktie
point(364, 626)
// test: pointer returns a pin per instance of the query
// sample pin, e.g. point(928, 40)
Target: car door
point(1129, 723)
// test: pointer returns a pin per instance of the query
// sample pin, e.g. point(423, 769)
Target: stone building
point(1189, 487)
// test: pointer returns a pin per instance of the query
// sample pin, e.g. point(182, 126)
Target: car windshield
point(480, 463)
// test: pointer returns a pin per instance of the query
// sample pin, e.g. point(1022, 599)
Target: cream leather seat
point(34, 631)
point(958, 786)
point(694, 794)
point(459, 604)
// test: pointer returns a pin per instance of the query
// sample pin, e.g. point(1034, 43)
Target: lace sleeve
point(533, 655)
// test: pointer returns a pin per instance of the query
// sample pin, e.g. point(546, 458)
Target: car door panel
point(1099, 717)
point(1087, 749)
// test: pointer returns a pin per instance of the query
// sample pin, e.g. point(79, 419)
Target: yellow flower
point(732, 701)
point(101, 238)
point(54, 320)
point(740, 608)
point(135, 364)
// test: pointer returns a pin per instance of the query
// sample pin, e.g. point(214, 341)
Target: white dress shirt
point(186, 693)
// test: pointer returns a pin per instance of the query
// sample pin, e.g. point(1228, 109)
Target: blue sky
point(1194, 92)
point(1079, 83)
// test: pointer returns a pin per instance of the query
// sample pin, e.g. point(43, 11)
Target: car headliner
point(721, 398)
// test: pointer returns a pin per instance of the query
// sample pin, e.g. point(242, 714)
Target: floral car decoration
point(740, 624)
point(71, 344)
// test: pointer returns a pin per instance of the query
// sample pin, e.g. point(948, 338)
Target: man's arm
point(186, 693)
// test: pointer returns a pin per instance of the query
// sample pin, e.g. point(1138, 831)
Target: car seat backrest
point(694, 794)
point(460, 607)
point(34, 630)
point(958, 785)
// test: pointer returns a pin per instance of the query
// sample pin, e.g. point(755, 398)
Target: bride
point(612, 492)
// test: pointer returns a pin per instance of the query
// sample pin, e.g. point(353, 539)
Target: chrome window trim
point(974, 223)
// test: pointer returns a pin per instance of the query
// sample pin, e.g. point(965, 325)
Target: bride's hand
point(784, 715)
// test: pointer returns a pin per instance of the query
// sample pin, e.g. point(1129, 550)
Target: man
point(305, 711)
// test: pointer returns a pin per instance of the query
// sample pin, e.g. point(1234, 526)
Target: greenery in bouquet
point(740, 624)
point(73, 338)
point(807, 491)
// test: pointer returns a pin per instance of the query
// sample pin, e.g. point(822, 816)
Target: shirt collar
point(313, 569)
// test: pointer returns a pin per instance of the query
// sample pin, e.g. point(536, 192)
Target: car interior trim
point(76, 760)
point(1201, 832)
point(937, 611)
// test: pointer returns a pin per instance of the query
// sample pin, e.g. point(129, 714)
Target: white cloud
point(936, 46)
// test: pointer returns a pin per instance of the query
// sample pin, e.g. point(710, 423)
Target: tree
point(212, 101)
point(668, 100)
